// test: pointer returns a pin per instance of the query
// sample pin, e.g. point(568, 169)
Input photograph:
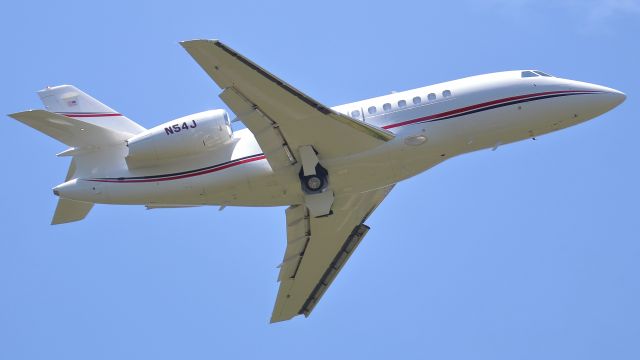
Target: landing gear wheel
point(314, 183)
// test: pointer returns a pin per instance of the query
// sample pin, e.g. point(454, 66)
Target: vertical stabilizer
point(72, 102)
point(70, 210)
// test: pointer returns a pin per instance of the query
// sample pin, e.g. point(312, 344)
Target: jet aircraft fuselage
point(431, 124)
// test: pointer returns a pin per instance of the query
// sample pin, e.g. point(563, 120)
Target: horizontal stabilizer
point(70, 210)
point(72, 132)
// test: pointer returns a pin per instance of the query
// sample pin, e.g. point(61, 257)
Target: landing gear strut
point(314, 181)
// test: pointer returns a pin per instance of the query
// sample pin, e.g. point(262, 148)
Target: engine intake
point(187, 135)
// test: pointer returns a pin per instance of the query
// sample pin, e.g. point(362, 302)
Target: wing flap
point(265, 130)
point(297, 239)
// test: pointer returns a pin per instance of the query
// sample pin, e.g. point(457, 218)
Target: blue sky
point(528, 252)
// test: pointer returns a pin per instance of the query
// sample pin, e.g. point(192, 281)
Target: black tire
point(313, 183)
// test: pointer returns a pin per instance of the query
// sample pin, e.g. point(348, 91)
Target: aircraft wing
point(318, 248)
point(281, 117)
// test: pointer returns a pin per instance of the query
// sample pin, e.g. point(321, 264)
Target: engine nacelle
point(187, 135)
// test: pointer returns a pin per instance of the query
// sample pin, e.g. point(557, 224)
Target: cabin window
point(355, 114)
point(386, 107)
point(402, 103)
point(416, 100)
point(431, 97)
point(526, 74)
point(446, 93)
point(372, 110)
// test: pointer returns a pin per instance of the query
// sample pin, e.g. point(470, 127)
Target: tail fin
point(70, 210)
point(72, 102)
point(81, 136)
point(83, 123)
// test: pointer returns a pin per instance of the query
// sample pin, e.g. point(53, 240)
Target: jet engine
point(187, 135)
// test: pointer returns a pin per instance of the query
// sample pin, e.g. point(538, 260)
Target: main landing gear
point(314, 180)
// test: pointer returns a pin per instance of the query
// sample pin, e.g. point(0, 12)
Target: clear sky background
point(528, 252)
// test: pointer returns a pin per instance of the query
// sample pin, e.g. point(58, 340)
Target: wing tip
point(19, 114)
point(186, 43)
point(279, 318)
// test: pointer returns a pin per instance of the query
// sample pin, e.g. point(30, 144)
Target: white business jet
point(331, 166)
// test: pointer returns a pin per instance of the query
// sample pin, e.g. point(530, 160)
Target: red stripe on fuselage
point(481, 105)
point(84, 115)
point(183, 176)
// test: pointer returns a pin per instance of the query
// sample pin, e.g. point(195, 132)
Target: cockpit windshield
point(533, 73)
point(542, 73)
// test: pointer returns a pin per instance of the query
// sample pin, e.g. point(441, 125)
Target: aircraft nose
point(617, 97)
point(598, 99)
point(601, 100)
point(608, 98)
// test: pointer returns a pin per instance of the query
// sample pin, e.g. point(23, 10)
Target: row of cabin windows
point(401, 103)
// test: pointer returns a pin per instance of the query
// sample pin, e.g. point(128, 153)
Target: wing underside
point(318, 248)
point(281, 117)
